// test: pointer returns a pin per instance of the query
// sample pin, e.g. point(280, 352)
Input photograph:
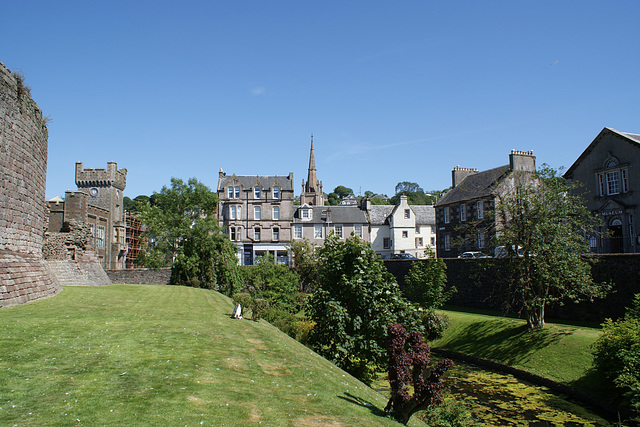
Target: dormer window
point(276, 192)
point(305, 213)
point(256, 192)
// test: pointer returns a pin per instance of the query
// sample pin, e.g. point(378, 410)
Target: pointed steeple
point(312, 189)
point(312, 179)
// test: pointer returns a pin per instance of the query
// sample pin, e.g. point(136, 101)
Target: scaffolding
point(135, 243)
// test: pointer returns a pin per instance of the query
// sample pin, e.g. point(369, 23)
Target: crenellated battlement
point(109, 177)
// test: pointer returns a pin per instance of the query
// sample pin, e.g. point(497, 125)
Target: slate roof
point(338, 214)
point(632, 138)
point(378, 214)
point(425, 214)
point(475, 186)
point(249, 181)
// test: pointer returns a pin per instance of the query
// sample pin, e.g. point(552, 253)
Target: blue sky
point(391, 90)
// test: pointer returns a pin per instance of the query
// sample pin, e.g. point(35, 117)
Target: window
point(338, 230)
point(480, 240)
point(446, 214)
point(405, 234)
point(433, 229)
point(433, 241)
point(297, 232)
point(417, 229)
point(276, 233)
point(256, 212)
point(625, 182)
point(480, 209)
point(306, 214)
point(256, 233)
point(276, 213)
point(613, 182)
point(593, 242)
point(100, 236)
point(463, 212)
point(232, 212)
point(407, 213)
point(230, 192)
point(236, 191)
point(447, 242)
point(357, 230)
point(317, 232)
point(276, 192)
point(419, 242)
point(232, 234)
point(601, 189)
point(386, 243)
point(256, 192)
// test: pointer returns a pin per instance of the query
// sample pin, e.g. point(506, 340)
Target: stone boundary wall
point(478, 280)
point(23, 171)
point(24, 278)
point(140, 276)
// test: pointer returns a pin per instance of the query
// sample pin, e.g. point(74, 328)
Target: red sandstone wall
point(23, 168)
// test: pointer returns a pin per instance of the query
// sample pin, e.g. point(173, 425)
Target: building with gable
point(464, 216)
point(315, 223)
point(402, 229)
point(609, 169)
point(256, 212)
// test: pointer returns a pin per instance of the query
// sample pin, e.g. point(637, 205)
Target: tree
point(409, 359)
point(425, 283)
point(342, 191)
point(415, 194)
point(305, 263)
point(355, 299)
point(617, 355)
point(542, 225)
point(183, 232)
point(128, 204)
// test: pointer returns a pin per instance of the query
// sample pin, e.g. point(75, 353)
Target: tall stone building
point(256, 212)
point(99, 203)
point(609, 169)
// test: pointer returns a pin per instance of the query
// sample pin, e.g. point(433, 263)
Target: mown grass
point(559, 352)
point(164, 355)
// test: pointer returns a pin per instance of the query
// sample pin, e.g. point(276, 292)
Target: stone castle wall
point(23, 169)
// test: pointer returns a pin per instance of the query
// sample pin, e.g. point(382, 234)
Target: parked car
point(403, 256)
point(501, 251)
point(472, 254)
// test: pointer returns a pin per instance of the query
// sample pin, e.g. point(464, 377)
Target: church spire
point(312, 179)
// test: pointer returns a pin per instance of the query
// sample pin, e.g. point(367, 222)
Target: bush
point(434, 324)
point(617, 355)
point(451, 413)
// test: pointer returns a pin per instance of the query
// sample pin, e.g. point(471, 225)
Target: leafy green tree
point(425, 283)
point(141, 199)
point(617, 355)
point(128, 204)
point(379, 201)
point(355, 299)
point(415, 194)
point(542, 224)
point(276, 283)
point(333, 199)
point(342, 191)
point(183, 232)
point(305, 263)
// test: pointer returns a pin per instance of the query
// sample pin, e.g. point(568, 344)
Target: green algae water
point(503, 400)
point(497, 399)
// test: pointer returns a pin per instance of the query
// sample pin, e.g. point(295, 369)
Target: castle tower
point(105, 190)
point(312, 191)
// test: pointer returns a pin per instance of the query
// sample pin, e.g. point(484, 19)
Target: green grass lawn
point(165, 355)
point(559, 352)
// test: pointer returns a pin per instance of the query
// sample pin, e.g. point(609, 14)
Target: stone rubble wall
point(23, 169)
point(140, 276)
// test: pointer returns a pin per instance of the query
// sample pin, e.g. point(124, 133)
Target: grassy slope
point(163, 355)
point(559, 352)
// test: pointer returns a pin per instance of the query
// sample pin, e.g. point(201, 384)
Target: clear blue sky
point(391, 90)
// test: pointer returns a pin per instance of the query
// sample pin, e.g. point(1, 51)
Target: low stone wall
point(140, 276)
point(478, 282)
point(24, 278)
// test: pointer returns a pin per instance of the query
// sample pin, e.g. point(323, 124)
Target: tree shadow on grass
point(508, 345)
point(361, 402)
